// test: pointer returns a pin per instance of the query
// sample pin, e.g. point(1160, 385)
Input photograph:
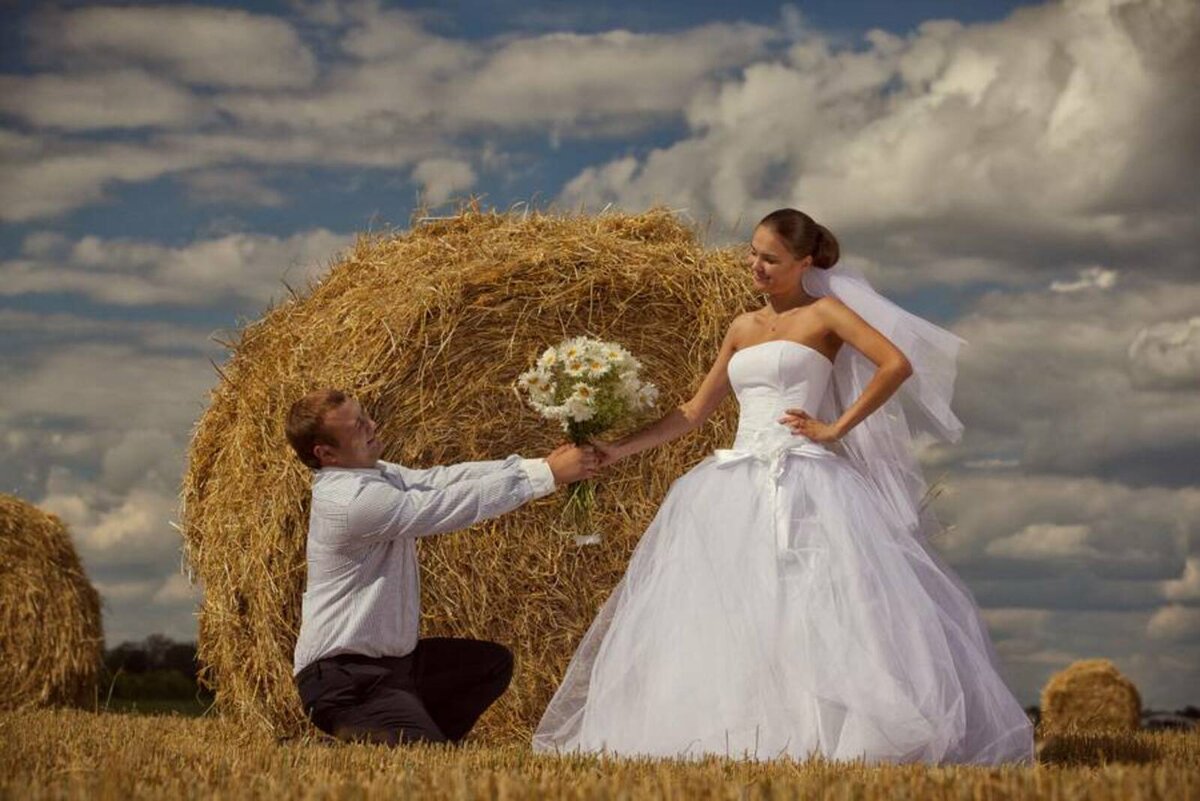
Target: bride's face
point(772, 266)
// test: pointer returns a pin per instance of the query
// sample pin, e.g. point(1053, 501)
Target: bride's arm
point(893, 369)
point(682, 419)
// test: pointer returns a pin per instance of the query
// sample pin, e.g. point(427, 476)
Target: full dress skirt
point(773, 609)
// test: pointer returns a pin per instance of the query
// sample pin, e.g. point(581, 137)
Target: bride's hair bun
point(804, 236)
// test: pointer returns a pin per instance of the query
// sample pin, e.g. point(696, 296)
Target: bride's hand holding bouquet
point(588, 386)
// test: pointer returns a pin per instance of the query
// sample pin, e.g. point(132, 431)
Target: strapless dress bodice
point(768, 379)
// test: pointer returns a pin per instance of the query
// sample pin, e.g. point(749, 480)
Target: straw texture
point(51, 643)
point(430, 329)
point(1090, 695)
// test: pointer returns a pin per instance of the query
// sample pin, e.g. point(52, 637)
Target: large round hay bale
point(430, 329)
point(1090, 695)
point(51, 643)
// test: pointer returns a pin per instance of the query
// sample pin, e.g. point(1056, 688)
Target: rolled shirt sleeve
point(540, 476)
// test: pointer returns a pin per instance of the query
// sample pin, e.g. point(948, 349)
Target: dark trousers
point(435, 694)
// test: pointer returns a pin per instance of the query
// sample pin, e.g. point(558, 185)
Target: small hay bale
point(430, 329)
point(1090, 695)
point(51, 642)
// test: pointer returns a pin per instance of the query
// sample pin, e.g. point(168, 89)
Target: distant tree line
point(157, 668)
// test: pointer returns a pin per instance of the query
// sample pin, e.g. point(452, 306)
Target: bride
point(784, 600)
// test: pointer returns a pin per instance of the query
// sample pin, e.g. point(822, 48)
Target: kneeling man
point(360, 668)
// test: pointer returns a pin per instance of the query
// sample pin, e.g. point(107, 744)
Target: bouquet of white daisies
point(587, 386)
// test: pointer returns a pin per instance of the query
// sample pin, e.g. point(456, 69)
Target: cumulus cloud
point(1069, 568)
point(1167, 355)
point(1021, 530)
point(1051, 138)
point(1084, 382)
point(393, 95)
point(1175, 622)
point(122, 386)
point(195, 44)
point(1044, 541)
point(442, 178)
point(1186, 588)
point(42, 176)
point(126, 98)
point(584, 84)
point(177, 589)
point(1089, 278)
point(231, 186)
point(93, 428)
point(241, 267)
point(134, 533)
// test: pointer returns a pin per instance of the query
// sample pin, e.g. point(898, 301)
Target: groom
point(361, 670)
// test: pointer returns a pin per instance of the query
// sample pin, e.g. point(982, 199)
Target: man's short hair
point(305, 423)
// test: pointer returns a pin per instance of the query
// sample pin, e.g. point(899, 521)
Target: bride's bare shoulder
point(828, 302)
point(741, 326)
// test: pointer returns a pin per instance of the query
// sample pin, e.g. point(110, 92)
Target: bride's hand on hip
point(801, 423)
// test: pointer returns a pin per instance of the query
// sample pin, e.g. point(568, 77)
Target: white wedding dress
point(775, 608)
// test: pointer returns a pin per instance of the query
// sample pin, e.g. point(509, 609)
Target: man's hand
point(571, 463)
point(606, 453)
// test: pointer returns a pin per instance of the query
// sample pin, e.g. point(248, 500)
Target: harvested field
point(72, 754)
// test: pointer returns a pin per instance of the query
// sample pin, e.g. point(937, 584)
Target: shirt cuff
point(540, 476)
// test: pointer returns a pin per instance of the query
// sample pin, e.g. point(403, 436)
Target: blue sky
point(1019, 172)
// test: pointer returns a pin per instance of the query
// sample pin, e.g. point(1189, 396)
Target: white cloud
point(1089, 278)
point(1175, 622)
point(106, 386)
point(398, 95)
point(585, 81)
point(141, 455)
point(140, 524)
point(196, 44)
point(126, 98)
point(31, 333)
point(1087, 382)
point(1044, 541)
point(125, 591)
point(1021, 530)
point(322, 12)
point(585, 85)
point(242, 267)
point(93, 426)
point(1186, 588)
point(442, 178)
point(44, 176)
point(1050, 139)
point(231, 186)
point(176, 590)
point(1167, 355)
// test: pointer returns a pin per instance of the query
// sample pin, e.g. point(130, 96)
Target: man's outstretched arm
point(444, 475)
point(382, 511)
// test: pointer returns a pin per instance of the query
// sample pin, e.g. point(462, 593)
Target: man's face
point(354, 432)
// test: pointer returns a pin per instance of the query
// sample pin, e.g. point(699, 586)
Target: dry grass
point(1090, 695)
point(69, 754)
point(51, 643)
point(430, 329)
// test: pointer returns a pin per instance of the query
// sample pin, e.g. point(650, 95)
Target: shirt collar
point(377, 470)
